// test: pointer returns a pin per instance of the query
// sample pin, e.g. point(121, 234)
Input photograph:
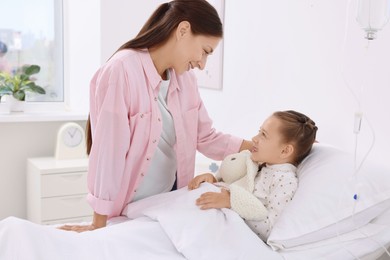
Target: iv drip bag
point(372, 15)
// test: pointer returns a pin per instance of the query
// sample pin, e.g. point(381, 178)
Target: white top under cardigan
point(161, 175)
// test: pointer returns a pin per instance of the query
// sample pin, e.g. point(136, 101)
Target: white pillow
point(324, 205)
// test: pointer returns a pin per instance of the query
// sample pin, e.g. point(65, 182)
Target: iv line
point(357, 126)
point(356, 196)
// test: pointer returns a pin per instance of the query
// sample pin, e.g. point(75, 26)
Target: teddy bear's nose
point(233, 159)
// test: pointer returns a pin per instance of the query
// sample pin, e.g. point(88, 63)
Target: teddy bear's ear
point(245, 152)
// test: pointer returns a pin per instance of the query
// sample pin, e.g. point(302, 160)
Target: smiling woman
point(32, 34)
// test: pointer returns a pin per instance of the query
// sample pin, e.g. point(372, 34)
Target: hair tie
point(303, 120)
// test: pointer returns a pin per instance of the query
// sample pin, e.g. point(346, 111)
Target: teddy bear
point(239, 172)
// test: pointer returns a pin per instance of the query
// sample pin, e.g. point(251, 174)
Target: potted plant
point(16, 85)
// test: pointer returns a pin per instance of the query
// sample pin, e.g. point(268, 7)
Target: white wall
point(121, 20)
point(21, 140)
point(277, 55)
point(287, 55)
point(82, 49)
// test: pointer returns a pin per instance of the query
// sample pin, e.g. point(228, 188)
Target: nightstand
point(57, 190)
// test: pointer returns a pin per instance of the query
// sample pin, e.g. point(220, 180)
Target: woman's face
point(192, 52)
point(268, 143)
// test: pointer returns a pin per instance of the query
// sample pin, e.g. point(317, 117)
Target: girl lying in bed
point(283, 141)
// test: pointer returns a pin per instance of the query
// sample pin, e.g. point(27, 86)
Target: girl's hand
point(214, 200)
point(195, 182)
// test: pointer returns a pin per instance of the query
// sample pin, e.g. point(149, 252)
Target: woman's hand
point(99, 221)
point(78, 228)
point(195, 182)
point(214, 200)
point(246, 145)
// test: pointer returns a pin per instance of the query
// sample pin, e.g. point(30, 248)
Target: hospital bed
point(336, 213)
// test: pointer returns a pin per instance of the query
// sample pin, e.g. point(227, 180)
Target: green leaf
point(30, 70)
point(4, 90)
point(16, 82)
point(4, 76)
point(9, 85)
point(19, 95)
point(26, 85)
point(24, 77)
point(35, 88)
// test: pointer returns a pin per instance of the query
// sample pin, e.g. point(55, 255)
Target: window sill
point(42, 112)
point(43, 116)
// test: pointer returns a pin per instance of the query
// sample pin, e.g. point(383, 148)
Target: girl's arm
point(214, 200)
point(206, 177)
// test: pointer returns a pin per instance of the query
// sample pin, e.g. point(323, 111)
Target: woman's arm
point(109, 114)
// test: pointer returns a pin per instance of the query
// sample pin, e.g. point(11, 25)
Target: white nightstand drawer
point(65, 207)
point(64, 184)
point(76, 221)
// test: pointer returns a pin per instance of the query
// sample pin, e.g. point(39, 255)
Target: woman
point(146, 116)
point(284, 140)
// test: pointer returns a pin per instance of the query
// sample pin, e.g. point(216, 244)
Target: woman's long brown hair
point(200, 14)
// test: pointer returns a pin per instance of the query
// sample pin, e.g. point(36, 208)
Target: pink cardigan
point(126, 127)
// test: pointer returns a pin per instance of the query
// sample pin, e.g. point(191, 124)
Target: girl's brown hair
point(200, 14)
point(299, 130)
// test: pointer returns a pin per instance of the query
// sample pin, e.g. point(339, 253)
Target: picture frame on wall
point(212, 75)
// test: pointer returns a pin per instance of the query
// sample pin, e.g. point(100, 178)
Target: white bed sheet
point(174, 228)
point(368, 246)
point(138, 239)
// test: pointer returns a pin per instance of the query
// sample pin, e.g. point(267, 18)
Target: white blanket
point(168, 226)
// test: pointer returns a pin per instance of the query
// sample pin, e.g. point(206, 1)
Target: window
point(31, 33)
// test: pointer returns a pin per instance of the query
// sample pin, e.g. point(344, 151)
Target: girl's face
point(268, 145)
point(192, 51)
